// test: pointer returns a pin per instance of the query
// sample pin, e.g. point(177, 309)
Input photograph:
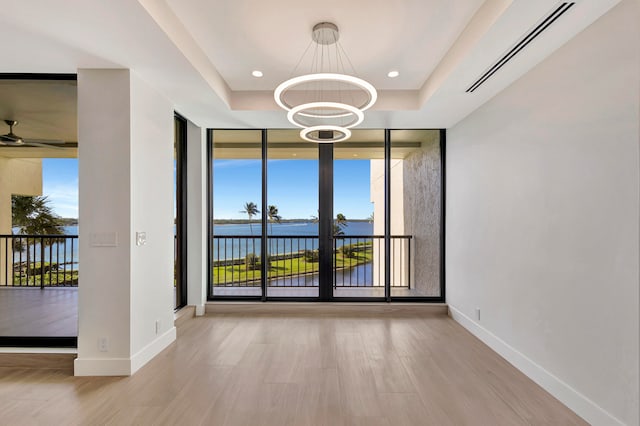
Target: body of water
point(235, 241)
point(288, 237)
point(59, 252)
point(290, 228)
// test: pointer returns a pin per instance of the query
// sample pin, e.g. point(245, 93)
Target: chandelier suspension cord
point(301, 58)
point(327, 102)
point(353, 69)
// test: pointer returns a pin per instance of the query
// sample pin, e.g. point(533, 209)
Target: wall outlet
point(157, 327)
point(478, 314)
point(103, 344)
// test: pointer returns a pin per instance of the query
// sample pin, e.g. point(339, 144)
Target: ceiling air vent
point(528, 38)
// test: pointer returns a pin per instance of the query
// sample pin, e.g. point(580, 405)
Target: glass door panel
point(358, 205)
point(416, 202)
point(292, 215)
point(237, 205)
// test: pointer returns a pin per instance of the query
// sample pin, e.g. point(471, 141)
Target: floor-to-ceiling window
point(416, 213)
point(358, 228)
point(357, 220)
point(236, 243)
point(292, 216)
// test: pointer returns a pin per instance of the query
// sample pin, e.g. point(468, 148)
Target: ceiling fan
point(13, 140)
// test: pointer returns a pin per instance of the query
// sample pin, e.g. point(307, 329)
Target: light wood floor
point(306, 367)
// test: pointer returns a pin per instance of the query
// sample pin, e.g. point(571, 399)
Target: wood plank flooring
point(301, 367)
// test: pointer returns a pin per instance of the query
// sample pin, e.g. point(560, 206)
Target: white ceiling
point(199, 54)
point(410, 36)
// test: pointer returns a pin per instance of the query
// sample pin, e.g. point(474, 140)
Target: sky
point(292, 187)
point(60, 185)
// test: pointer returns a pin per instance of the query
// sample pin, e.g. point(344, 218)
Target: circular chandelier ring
point(345, 132)
point(309, 78)
point(350, 110)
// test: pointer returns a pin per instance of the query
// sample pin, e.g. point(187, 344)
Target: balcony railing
point(38, 260)
point(293, 261)
point(359, 261)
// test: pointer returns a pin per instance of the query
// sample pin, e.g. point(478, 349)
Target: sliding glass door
point(292, 216)
point(416, 214)
point(236, 243)
point(358, 222)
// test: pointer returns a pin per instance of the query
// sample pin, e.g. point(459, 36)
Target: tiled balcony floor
point(51, 312)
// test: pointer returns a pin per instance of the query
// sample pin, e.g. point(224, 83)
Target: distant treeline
point(69, 221)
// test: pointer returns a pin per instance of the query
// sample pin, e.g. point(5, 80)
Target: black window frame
point(323, 297)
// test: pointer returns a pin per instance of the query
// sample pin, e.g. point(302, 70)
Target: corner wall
point(152, 201)
point(197, 217)
point(125, 175)
point(542, 221)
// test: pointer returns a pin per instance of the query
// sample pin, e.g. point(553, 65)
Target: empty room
point(411, 212)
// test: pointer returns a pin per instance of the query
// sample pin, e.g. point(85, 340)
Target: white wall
point(196, 217)
point(542, 221)
point(125, 175)
point(104, 207)
point(152, 200)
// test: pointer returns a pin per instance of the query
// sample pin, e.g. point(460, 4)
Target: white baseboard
point(200, 311)
point(102, 367)
point(573, 399)
point(123, 366)
point(147, 353)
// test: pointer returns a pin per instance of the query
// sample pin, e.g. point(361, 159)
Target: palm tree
point(251, 209)
point(33, 215)
point(273, 216)
point(339, 224)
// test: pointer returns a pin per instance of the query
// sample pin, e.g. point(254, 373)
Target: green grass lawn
point(225, 275)
point(53, 279)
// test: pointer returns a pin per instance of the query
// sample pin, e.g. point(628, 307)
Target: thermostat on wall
point(141, 238)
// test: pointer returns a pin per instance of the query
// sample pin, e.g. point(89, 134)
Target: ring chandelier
point(327, 102)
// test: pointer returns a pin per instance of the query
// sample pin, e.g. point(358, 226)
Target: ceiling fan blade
point(9, 138)
point(42, 145)
point(44, 141)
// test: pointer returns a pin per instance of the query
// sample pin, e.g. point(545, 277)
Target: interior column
point(125, 295)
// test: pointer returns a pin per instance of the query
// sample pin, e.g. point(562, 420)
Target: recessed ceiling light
point(256, 73)
point(393, 74)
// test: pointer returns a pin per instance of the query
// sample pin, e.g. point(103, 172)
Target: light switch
point(104, 239)
point(141, 238)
